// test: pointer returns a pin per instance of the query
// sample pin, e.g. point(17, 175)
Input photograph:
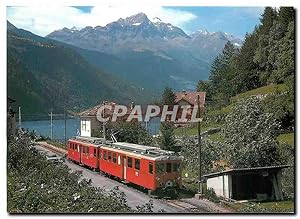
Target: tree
point(131, 132)
point(168, 96)
point(222, 73)
point(262, 51)
point(202, 86)
point(167, 138)
point(284, 56)
point(205, 86)
point(246, 70)
point(250, 136)
point(267, 20)
point(285, 16)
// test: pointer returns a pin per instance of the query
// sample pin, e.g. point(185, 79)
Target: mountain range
point(148, 52)
point(131, 59)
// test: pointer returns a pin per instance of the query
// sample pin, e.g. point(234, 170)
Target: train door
point(80, 153)
point(124, 167)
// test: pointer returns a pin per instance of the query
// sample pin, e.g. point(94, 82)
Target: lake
point(43, 127)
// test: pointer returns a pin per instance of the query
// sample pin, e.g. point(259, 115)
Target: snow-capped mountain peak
point(156, 20)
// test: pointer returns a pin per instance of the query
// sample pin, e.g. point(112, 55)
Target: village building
point(90, 126)
point(258, 183)
point(11, 117)
point(189, 98)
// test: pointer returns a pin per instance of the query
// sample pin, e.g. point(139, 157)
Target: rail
point(52, 148)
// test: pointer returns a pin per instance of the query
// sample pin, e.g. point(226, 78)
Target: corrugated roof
point(245, 170)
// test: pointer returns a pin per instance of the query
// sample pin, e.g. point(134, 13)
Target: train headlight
point(169, 183)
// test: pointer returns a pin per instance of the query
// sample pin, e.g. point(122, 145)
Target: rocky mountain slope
point(150, 48)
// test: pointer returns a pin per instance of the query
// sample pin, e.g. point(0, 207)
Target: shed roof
point(249, 169)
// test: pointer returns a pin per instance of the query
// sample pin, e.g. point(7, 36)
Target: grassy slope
point(276, 206)
point(269, 89)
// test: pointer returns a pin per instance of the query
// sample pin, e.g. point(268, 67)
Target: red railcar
point(83, 152)
point(145, 166)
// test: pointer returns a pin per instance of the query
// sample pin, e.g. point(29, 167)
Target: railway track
point(184, 206)
point(60, 151)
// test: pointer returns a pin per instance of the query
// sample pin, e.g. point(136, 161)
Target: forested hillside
point(266, 57)
point(44, 75)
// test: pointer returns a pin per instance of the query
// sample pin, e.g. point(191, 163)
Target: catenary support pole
point(20, 118)
point(51, 125)
point(199, 147)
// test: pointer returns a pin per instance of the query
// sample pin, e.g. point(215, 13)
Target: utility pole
point(65, 125)
point(146, 126)
point(20, 118)
point(103, 123)
point(199, 146)
point(51, 126)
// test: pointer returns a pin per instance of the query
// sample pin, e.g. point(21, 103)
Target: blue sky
point(42, 21)
point(234, 20)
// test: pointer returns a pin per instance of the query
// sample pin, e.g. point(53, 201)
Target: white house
point(90, 126)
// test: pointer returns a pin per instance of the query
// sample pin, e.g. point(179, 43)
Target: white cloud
point(42, 20)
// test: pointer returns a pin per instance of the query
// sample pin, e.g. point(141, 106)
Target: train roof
point(154, 153)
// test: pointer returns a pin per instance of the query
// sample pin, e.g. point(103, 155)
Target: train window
point(169, 167)
point(87, 150)
point(119, 160)
point(83, 149)
point(137, 164)
point(176, 167)
point(109, 156)
point(114, 158)
point(75, 148)
point(129, 162)
point(95, 152)
point(151, 168)
point(104, 155)
point(160, 168)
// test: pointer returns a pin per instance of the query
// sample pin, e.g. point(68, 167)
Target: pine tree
point(267, 20)
point(262, 51)
point(222, 73)
point(204, 86)
point(167, 138)
point(285, 16)
point(246, 75)
point(168, 97)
